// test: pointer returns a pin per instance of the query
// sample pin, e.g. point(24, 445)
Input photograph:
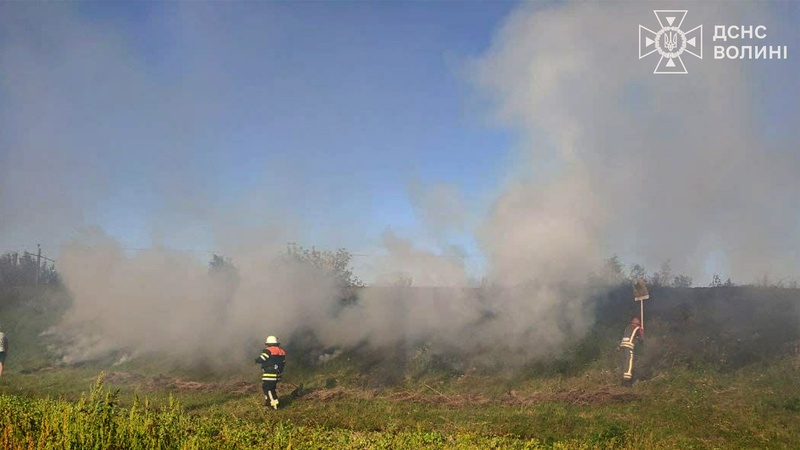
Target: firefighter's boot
point(273, 401)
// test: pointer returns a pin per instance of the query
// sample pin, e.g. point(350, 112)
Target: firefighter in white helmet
point(272, 360)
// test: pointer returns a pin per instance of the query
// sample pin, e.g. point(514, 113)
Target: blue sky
point(336, 107)
point(357, 100)
point(165, 123)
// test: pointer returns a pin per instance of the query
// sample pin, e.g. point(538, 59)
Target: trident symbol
point(675, 43)
point(670, 40)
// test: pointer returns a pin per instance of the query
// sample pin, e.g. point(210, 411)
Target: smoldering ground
point(612, 159)
point(166, 302)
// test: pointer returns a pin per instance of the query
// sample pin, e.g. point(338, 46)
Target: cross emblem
point(670, 42)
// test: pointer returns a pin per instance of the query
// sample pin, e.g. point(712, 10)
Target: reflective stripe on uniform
point(273, 401)
point(627, 341)
point(629, 370)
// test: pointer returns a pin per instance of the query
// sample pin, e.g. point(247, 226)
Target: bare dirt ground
point(511, 398)
point(180, 384)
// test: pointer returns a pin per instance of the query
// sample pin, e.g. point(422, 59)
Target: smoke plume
point(614, 160)
point(651, 167)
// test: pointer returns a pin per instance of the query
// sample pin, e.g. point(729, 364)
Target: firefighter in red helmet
point(633, 332)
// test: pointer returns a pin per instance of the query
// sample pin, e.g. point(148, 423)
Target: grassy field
point(683, 408)
point(147, 403)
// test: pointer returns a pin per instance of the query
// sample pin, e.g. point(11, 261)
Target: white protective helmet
point(271, 340)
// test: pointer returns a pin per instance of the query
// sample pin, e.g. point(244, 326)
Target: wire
point(213, 252)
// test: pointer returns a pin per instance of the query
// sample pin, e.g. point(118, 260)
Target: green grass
point(96, 421)
point(754, 407)
point(573, 402)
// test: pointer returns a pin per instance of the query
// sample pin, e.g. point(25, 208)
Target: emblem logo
point(670, 42)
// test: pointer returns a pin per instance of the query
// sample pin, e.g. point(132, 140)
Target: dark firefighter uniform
point(272, 360)
point(633, 332)
point(3, 349)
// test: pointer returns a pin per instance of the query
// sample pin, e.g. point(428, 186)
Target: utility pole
point(38, 262)
point(39, 259)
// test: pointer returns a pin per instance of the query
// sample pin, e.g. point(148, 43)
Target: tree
point(716, 281)
point(763, 280)
point(403, 280)
point(48, 274)
point(613, 270)
point(682, 281)
point(21, 270)
point(663, 276)
point(9, 269)
point(222, 269)
point(225, 278)
point(611, 273)
point(333, 264)
point(637, 271)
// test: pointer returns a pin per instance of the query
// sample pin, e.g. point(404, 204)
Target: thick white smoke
point(653, 167)
point(615, 160)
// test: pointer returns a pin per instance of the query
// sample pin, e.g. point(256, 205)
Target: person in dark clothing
point(633, 332)
point(272, 360)
point(3, 350)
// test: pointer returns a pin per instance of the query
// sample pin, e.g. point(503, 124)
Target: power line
point(465, 255)
point(171, 249)
point(40, 256)
point(217, 252)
